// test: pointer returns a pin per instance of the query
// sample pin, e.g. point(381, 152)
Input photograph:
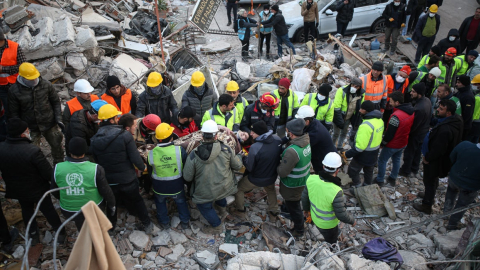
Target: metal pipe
point(159, 28)
point(56, 237)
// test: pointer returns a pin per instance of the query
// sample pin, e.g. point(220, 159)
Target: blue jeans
point(162, 211)
point(208, 212)
point(404, 30)
point(286, 40)
point(385, 155)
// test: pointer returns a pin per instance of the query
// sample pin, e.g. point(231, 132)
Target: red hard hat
point(451, 51)
point(151, 121)
point(269, 100)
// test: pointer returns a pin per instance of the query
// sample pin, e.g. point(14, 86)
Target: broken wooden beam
point(350, 51)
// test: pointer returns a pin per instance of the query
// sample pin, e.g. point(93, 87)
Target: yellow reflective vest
point(322, 113)
point(321, 195)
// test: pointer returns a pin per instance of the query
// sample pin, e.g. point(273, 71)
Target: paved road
point(452, 13)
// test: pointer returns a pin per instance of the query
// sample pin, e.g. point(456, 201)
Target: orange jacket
point(125, 104)
point(9, 58)
point(74, 105)
point(391, 85)
point(374, 91)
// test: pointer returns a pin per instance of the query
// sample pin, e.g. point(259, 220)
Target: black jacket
point(411, 6)
point(441, 141)
point(163, 105)
point(24, 169)
point(278, 23)
point(39, 107)
point(253, 114)
point(67, 115)
point(320, 142)
point(445, 43)
point(263, 159)
point(422, 21)
point(245, 22)
point(114, 149)
point(345, 12)
point(467, 101)
point(464, 31)
point(80, 127)
point(201, 104)
point(421, 121)
point(339, 117)
point(397, 13)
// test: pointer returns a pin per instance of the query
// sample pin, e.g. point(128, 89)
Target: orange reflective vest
point(374, 91)
point(391, 86)
point(74, 105)
point(125, 104)
point(9, 58)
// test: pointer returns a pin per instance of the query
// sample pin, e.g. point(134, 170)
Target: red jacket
point(180, 132)
point(399, 125)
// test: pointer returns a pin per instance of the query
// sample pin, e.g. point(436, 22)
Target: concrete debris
point(50, 68)
point(216, 47)
point(128, 70)
point(177, 238)
point(78, 61)
point(47, 238)
point(162, 239)
point(448, 243)
point(231, 249)
point(85, 38)
point(329, 261)
point(261, 67)
point(139, 239)
point(357, 263)
point(18, 253)
point(413, 260)
point(15, 17)
point(208, 256)
point(254, 260)
point(177, 251)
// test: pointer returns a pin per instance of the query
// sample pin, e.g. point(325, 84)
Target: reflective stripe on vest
point(321, 195)
point(378, 138)
point(210, 112)
point(365, 79)
point(125, 103)
point(9, 58)
point(278, 109)
point(476, 110)
point(299, 175)
point(166, 164)
point(75, 105)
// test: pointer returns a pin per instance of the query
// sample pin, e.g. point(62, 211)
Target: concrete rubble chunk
point(177, 238)
point(261, 67)
point(413, 259)
point(357, 263)
point(231, 249)
point(63, 32)
point(161, 239)
point(163, 251)
point(332, 262)
point(243, 70)
point(77, 60)
point(178, 251)
point(448, 243)
point(419, 240)
point(50, 68)
point(128, 70)
point(208, 256)
point(47, 238)
point(174, 221)
point(216, 47)
point(85, 37)
point(151, 256)
point(160, 261)
point(136, 253)
point(128, 261)
point(139, 239)
point(18, 253)
point(48, 265)
point(252, 260)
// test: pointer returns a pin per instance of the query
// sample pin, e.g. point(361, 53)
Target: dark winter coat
point(163, 105)
point(114, 149)
point(445, 43)
point(467, 101)
point(25, 170)
point(464, 31)
point(422, 21)
point(253, 114)
point(397, 13)
point(411, 6)
point(421, 122)
point(39, 107)
point(80, 127)
point(201, 104)
point(243, 23)
point(345, 12)
point(465, 170)
point(278, 23)
point(320, 142)
point(66, 115)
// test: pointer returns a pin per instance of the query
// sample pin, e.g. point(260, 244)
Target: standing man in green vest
point(434, 51)
point(464, 62)
point(294, 170)
point(323, 198)
point(240, 102)
point(448, 66)
point(86, 180)
point(321, 104)
point(429, 78)
point(165, 165)
point(288, 105)
point(223, 113)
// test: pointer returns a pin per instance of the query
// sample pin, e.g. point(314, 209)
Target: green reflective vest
point(424, 61)
point(457, 102)
point(340, 101)
point(369, 135)
point(166, 162)
point(419, 78)
point(444, 77)
point(291, 104)
point(227, 120)
point(239, 110)
point(299, 175)
point(462, 64)
point(321, 195)
point(81, 178)
point(476, 110)
point(322, 113)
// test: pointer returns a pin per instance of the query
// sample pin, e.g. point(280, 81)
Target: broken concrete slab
point(448, 243)
point(330, 261)
point(208, 256)
point(419, 240)
point(50, 69)
point(177, 238)
point(216, 47)
point(261, 67)
point(357, 263)
point(413, 260)
point(243, 70)
point(139, 239)
point(77, 60)
point(85, 37)
point(178, 251)
point(231, 249)
point(162, 239)
point(253, 260)
point(128, 70)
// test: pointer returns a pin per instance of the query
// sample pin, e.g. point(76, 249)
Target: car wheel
point(300, 36)
point(379, 26)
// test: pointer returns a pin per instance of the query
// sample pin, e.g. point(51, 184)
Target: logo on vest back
point(307, 151)
point(165, 159)
point(74, 180)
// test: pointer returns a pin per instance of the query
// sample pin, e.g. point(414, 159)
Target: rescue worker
point(425, 31)
point(199, 96)
point(262, 110)
point(431, 63)
point(223, 113)
point(35, 101)
point(183, 123)
point(261, 170)
point(367, 145)
point(243, 27)
point(240, 102)
point(444, 92)
point(114, 149)
point(310, 15)
point(448, 67)
point(84, 98)
point(475, 131)
point(165, 166)
point(123, 99)
point(27, 172)
point(429, 79)
point(465, 62)
point(323, 199)
point(209, 189)
point(435, 50)
point(322, 104)
point(467, 102)
point(265, 32)
point(320, 139)
point(288, 105)
point(294, 170)
point(376, 86)
point(452, 40)
point(397, 82)
point(346, 106)
point(86, 180)
point(157, 99)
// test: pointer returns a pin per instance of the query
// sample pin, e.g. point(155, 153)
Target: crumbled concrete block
point(178, 251)
point(128, 70)
point(63, 32)
point(18, 253)
point(139, 239)
point(231, 249)
point(332, 262)
point(50, 69)
point(85, 37)
point(413, 259)
point(161, 239)
point(243, 70)
point(448, 243)
point(253, 260)
point(177, 238)
point(208, 256)
point(77, 60)
point(216, 47)
point(357, 263)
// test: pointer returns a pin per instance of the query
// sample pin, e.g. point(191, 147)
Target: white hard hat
point(304, 112)
point(436, 72)
point(333, 161)
point(82, 86)
point(209, 127)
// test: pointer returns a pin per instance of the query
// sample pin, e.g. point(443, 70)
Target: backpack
point(380, 249)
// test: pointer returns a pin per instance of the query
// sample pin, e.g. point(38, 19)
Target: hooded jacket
point(201, 103)
point(467, 102)
point(163, 105)
point(114, 149)
point(205, 159)
point(278, 23)
point(345, 12)
point(421, 121)
point(445, 43)
point(253, 113)
point(263, 159)
point(399, 126)
point(80, 127)
point(320, 142)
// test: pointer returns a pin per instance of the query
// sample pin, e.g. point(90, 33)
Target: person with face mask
point(465, 62)
point(345, 110)
point(84, 98)
point(157, 99)
point(262, 110)
point(425, 32)
point(183, 123)
point(35, 101)
point(223, 113)
point(397, 82)
point(265, 32)
point(288, 105)
point(448, 66)
point(451, 40)
point(395, 17)
point(322, 104)
point(199, 96)
point(243, 28)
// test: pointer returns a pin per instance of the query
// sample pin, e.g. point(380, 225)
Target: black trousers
point(412, 156)
point(354, 169)
point(4, 232)
point(465, 197)
point(309, 31)
point(294, 208)
point(245, 45)
point(146, 182)
point(80, 218)
point(330, 235)
point(430, 181)
point(28, 208)
point(341, 28)
point(231, 6)
point(412, 23)
point(267, 38)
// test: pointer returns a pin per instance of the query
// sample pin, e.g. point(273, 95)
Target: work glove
point(391, 19)
point(61, 126)
point(403, 25)
point(317, 24)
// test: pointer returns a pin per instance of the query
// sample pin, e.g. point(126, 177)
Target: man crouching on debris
point(210, 166)
point(323, 198)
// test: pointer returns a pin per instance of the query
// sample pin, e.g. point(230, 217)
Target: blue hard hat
point(97, 104)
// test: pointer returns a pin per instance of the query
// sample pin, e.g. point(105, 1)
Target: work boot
point(7, 247)
point(222, 211)
point(184, 225)
point(385, 50)
point(297, 234)
point(239, 214)
point(272, 216)
point(391, 182)
point(421, 194)
point(229, 23)
point(165, 226)
point(452, 227)
point(392, 52)
point(404, 174)
point(213, 230)
point(424, 208)
point(380, 184)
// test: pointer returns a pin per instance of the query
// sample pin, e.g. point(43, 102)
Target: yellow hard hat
point(433, 8)
point(154, 79)
point(197, 79)
point(476, 79)
point(163, 131)
point(108, 111)
point(232, 86)
point(28, 71)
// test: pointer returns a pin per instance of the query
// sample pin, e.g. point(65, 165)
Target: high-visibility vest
point(291, 104)
point(239, 109)
point(461, 64)
point(424, 61)
point(391, 86)
point(447, 77)
point(369, 135)
point(74, 105)
point(419, 78)
point(241, 31)
point(226, 120)
point(476, 110)
point(374, 91)
point(81, 177)
point(299, 175)
point(340, 101)
point(9, 58)
point(322, 113)
point(125, 104)
point(166, 162)
point(321, 195)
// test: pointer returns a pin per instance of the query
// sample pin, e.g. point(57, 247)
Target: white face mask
point(320, 97)
point(266, 12)
point(28, 135)
point(400, 79)
point(431, 15)
point(474, 87)
point(264, 111)
point(353, 90)
point(396, 3)
point(452, 38)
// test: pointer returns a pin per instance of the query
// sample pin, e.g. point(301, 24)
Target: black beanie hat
point(368, 106)
point(275, 7)
point(260, 128)
point(420, 88)
point(15, 127)
point(436, 50)
point(112, 81)
point(266, 6)
point(77, 146)
point(377, 66)
point(324, 89)
point(464, 79)
point(187, 112)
